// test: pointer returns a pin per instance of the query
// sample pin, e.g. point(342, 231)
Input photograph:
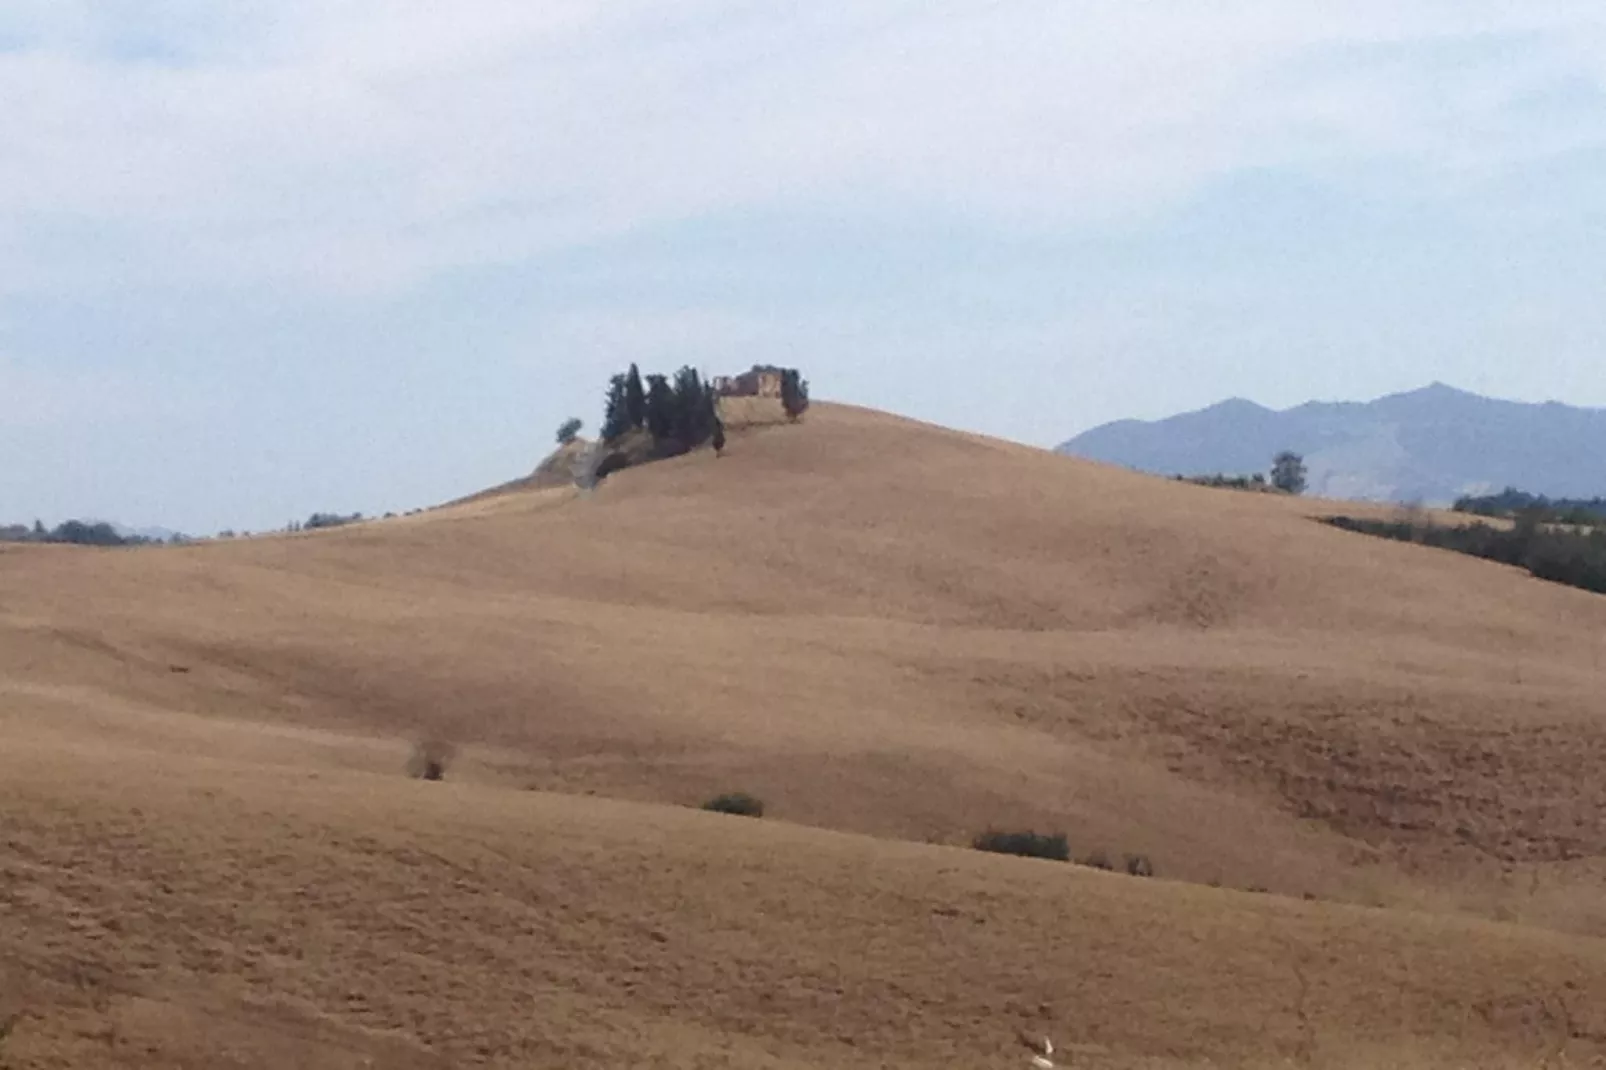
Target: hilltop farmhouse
point(763, 381)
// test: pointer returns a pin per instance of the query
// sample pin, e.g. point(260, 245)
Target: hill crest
point(878, 627)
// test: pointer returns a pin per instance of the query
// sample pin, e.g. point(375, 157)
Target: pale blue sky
point(260, 259)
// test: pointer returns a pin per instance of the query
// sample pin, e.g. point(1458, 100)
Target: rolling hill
point(1431, 445)
point(896, 635)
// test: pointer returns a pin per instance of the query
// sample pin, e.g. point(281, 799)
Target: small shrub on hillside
point(1098, 860)
point(430, 760)
point(736, 802)
point(1026, 844)
point(1139, 866)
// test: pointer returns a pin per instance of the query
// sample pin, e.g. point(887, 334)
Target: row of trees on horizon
point(1512, 503)
point(1288, 474)
point(101, 533)
point(76, 533)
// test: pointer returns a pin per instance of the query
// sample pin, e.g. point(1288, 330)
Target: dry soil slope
point(165, 910)
point(211, 858)
point(887, 627)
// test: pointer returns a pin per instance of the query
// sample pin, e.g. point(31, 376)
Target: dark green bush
point(1026, 844)
point(736, 802)
point(430, 759)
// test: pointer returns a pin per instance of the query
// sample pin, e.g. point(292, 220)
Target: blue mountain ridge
point(1430, 445)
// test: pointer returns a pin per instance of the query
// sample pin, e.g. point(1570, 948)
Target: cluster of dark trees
point(73, 532)
point(1287, 475)
point(680, 414)
point(1562, 554)
point(318, 521)
point(1512, 503)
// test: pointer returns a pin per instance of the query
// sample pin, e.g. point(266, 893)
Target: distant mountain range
point(1430, 445)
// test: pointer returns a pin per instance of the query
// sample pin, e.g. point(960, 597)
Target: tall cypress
point(616, 417)
point(635, 398)
point(660, 407)
point(794, 393)
point(691, 427)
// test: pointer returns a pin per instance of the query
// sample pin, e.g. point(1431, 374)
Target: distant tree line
point(1257, 481)
point(99, 533)
point(315, 522)
point(1512, 503)
point(75, 533)
point(318, 521)
point(1287, 475)
point(1560, 554)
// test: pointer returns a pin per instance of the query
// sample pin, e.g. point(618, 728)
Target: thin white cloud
point(357, 144)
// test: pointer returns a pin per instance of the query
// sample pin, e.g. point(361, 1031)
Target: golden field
point(897, 636)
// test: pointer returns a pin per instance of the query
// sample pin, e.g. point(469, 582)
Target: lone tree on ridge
point(794, 393)
point(1288, 472)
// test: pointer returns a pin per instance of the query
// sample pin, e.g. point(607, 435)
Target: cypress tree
point(716, 426)
point(691, 426)
point(794, 393)
point(635, 398)
point(616, 418)
point(660, 407)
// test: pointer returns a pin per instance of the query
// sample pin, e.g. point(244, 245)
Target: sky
point(272, 257)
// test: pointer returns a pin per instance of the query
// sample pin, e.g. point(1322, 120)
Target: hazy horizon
point(365, 256)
